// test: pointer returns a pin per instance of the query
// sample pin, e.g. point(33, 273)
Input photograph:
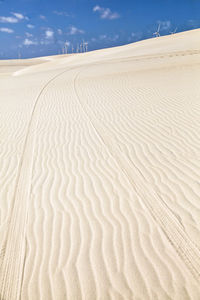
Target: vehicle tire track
point(13, 246)
point(153, 201)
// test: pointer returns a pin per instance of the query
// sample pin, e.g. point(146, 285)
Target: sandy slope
point(100, 174)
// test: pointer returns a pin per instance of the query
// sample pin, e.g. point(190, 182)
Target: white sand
point(100, 174)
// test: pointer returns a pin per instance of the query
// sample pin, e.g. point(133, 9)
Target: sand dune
point(100, 174)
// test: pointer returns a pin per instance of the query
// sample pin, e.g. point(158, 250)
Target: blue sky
point(31, 28)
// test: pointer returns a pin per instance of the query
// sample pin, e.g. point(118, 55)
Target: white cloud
point(13, 19)
point(67, 43)
point(106, 37)
point(103, 36)
point(30, 26)
point(60, 31)
point(6, 30)
point(135, 36)
point(165, 25)
point(61, 13)
point(28, 34)
point(19, 16)
point(74, 30)
point(49, 34)
point(8, 19)
point(28, 42)
point(106, 13)
point(42, 17)
point(44, 42)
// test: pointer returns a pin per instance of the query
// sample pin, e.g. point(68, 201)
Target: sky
point(31, 28)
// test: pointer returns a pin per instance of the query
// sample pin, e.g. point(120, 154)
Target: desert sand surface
point(10, 66)
point(100, 173)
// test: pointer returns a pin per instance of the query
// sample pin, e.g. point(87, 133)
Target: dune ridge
point(99, 181)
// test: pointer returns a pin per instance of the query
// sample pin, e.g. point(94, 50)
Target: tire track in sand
point(14, 244)
point(154, 202)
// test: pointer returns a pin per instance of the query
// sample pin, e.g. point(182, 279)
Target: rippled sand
point(100, 173)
